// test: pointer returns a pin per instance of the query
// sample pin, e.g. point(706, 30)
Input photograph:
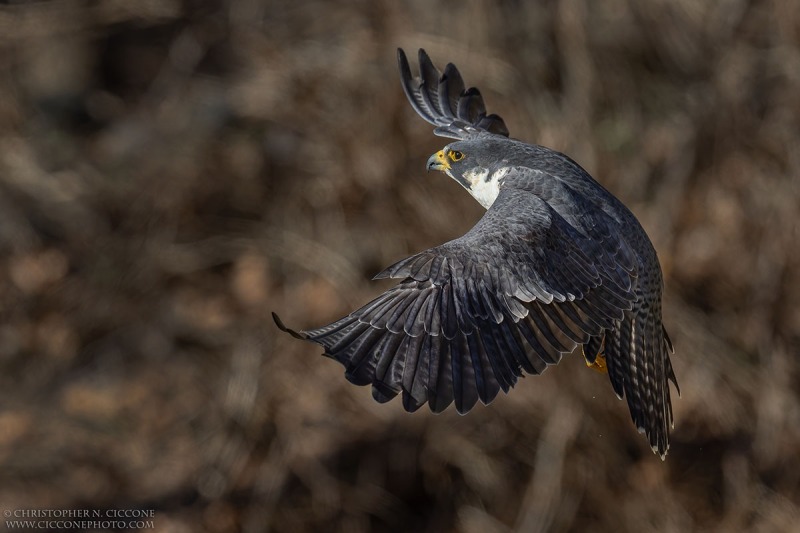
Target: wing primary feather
point(515, 348)
point(422, 379)
point(544, 355)
point(492, 384)
point(465, 390)
point(331, 334)
point(357, 353)
point(365, 370)
point(388, 357)
point(412, 93)
point(456, 377)
point(470, 107)
point(477, 356)
point(440, 395)
point(581, 319)
point(415, 362)
point(429, 76)
point(282, 327)
point(500, 368)
point(484, 122)
point(383, 392)
point(331, 330)
point(507, 351)
point(566, 327)
point(543, 327)
point(346, 337)
point(451, 86)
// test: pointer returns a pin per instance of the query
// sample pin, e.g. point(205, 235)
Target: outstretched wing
point(442, 100)
point(517, 291)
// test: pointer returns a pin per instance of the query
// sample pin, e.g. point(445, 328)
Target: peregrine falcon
point(555, 262)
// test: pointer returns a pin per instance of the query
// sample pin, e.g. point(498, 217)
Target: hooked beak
point(438, 161)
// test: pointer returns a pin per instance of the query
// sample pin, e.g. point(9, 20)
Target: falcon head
point(474, 167)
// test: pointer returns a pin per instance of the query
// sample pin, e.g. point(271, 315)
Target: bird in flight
point(555, 262)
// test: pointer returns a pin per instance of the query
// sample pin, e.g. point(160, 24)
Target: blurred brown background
point(171, 172)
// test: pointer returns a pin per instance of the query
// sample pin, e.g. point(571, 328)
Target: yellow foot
point(599, 364)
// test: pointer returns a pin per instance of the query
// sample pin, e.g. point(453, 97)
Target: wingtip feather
point(282, 327)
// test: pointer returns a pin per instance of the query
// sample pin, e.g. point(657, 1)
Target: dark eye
point(455, 155)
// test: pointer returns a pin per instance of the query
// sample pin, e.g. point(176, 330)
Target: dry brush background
point(171, 172)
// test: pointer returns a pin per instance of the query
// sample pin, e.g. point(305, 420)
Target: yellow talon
point(599, 364)
point(599, 361)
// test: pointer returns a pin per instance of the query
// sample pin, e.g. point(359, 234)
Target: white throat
point(482, 186)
